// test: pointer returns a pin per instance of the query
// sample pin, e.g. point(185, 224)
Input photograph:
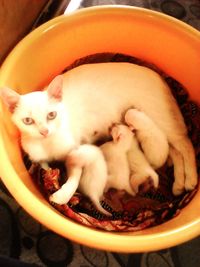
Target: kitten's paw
point(58, 198)
point(144, 182)
point(147, 185)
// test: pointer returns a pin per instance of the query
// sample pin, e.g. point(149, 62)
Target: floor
point(21, 237)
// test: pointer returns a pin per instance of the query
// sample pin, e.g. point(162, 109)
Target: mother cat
point(80, 106)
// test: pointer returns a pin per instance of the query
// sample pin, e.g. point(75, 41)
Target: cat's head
point(37, 114)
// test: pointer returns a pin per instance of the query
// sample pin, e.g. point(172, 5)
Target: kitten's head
point(122, 135)
point(37, 114)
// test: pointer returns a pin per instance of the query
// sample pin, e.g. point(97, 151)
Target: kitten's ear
point(10, 98)
point(55, 88)
point(116, 134)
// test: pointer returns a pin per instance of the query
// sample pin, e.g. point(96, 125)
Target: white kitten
point(140, 168)
point(115, 153)
point(127, 166)
point(152, 140)
point(90, 160)
point(92, 97)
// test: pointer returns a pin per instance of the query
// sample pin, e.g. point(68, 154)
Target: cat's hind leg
point(183, 145)
point(179, 172)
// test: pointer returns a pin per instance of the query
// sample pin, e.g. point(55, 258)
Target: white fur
point(94, 173)
point(37, 105)
point(152, 140)
point(140, 168)
point(115, 153)
point(95, 96)
point(64, 194)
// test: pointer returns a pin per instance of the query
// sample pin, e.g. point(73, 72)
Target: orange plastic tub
point(168, 43)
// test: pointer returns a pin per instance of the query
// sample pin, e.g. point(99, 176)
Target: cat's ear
point(54, 89)
point(10, 98)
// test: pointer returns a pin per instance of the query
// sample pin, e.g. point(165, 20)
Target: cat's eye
point(51, 115)
point(28, 121)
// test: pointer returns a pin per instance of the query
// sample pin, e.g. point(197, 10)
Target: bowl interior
point(169, 44)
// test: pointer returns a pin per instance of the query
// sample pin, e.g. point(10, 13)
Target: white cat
point(80, 106)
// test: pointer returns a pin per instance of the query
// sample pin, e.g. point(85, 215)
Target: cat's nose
point(44, 132)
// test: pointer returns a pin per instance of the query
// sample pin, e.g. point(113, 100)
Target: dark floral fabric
point(22, 239)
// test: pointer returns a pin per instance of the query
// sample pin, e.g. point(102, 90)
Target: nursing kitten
point(116, 156)
point(152, 140)
point(140, 169)
point(127, 166)
point(82, 104)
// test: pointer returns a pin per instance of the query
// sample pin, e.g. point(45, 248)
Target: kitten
point(140, 169)
point(116, 156)
point(128, 168)
point(92, 181)
point(91, 98)
point(152, 140)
